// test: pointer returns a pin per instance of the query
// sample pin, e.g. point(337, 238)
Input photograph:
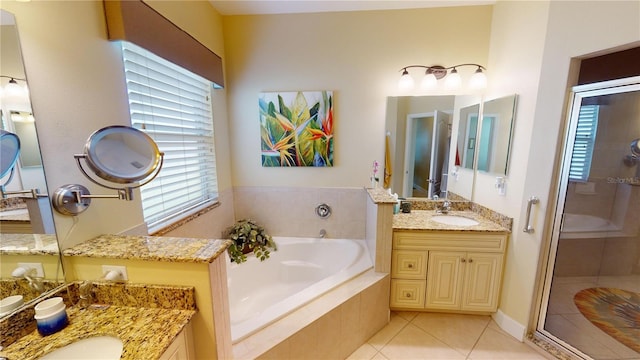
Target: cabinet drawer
point(409, 265)
point(407, 293)
point(449, 240)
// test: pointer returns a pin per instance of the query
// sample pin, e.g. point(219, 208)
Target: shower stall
point(591, 296)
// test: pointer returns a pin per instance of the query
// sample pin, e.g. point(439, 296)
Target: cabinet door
point(409, 265)
point(181, 348)
point(407, 294)
point(444, 280)
point(482, 281)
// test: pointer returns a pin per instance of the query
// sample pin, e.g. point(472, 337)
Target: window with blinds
point(584, 142)
point(173, 106)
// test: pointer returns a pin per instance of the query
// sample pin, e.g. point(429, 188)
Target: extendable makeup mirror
point(117, 154)
point(10, 149)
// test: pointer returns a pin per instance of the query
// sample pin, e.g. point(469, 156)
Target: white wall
point(532, 44)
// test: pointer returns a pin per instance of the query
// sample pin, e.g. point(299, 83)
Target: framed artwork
point(296, 128)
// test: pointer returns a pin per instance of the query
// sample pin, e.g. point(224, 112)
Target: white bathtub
point(299, 271)
point(579, 226)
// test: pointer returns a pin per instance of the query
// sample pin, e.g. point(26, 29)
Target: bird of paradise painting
point(296, 128)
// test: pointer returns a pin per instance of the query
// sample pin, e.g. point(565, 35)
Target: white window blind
point(173, 106)
point(584, 143)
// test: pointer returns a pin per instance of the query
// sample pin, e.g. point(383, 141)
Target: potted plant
point(247, 236)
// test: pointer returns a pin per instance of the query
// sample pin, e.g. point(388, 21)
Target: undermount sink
point(98, 347)
point(454, 220)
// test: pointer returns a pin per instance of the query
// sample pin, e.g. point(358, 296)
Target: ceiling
point(258, 7)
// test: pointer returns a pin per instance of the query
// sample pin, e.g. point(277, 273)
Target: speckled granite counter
point(146, 318)
point(146, 333)
point(380, 196)
point(171, 249)
point(422, 220)
point(28, 244)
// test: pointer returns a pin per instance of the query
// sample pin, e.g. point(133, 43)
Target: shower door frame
point(546, 276)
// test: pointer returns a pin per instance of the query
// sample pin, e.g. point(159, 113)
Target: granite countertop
point(17, 215)
point(28, 244)
point(146, 333)
point(170, 249)
point(421, 220)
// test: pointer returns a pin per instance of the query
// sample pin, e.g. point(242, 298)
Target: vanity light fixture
point(434, 73)
point(13, 89)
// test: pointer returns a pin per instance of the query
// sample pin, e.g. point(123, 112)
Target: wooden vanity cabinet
point(181, 348)
point(447, 271)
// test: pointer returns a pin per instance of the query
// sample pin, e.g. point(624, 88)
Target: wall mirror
point(467, 136)
point(419, 130)
point(495, 135)
point(30, 261)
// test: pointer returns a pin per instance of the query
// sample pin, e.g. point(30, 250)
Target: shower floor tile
point(565, 321)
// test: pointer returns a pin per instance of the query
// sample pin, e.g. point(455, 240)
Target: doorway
point(426, 154)
point(591, 298)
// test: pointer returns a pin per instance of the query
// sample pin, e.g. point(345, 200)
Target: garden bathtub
point(299, 271)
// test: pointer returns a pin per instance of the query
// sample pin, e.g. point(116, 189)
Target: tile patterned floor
point(565, 321)
point(418, 335)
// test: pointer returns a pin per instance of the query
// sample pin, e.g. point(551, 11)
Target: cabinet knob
point(408, 295)
point(463, 260)
point(470, 260)
point(410, 266)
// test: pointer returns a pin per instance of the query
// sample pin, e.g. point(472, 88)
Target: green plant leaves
point(297, 134)
point(248, 236)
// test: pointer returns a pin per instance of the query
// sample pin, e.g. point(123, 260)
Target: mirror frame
point(133, 142)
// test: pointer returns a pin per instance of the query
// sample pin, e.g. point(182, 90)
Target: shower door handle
point(527, 226)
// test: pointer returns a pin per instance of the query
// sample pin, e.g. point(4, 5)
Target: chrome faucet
point(31, 275)
point(444, 209)
point(85, 291)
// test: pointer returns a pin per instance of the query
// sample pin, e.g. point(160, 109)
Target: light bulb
point(12, 89)
point(406, 81)
point(453, 80)
point(428, 82)
point(478, 80)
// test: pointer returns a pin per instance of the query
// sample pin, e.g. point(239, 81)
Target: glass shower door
point(591, 305)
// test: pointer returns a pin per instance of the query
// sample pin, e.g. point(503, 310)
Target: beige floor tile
point(379, 356)
point(496, 345)
point(364, 352)
point(413, 343)
point(460, 332)
point(407, 315)
point(382, 337)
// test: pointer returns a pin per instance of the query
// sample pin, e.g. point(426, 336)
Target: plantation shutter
point(173, 106)
point(584, 143)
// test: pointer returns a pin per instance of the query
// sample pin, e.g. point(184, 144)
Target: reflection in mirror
point(467, 132)
point(29, 255)
point(495, 135)
point(420, 132)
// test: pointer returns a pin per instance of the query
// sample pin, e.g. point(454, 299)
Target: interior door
point(418, 148)
point(439, 153)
